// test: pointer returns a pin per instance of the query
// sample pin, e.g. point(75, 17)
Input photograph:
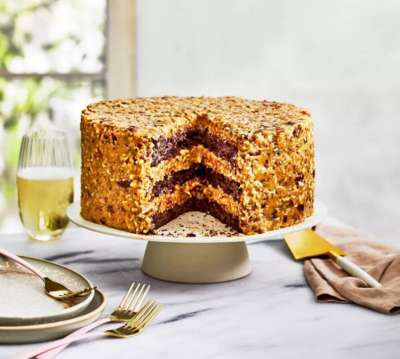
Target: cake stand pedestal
point(196, 262)
point(197, 259)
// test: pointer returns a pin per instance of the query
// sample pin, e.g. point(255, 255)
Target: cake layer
point(202, 205)
point(197, 189)
point(202, 173)
point(191, 157)
point(166, 148)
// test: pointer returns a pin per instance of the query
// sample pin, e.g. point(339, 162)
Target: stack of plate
point(28, 315)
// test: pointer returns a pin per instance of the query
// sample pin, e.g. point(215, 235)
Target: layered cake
point(145, 161)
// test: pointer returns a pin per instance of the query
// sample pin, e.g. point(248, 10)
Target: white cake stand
point(197, 259)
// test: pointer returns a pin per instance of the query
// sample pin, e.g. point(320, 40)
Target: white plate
point(23, 299)
point(197, 223)
point(15, 334)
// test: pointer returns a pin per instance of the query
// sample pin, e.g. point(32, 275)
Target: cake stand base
point(196, 262)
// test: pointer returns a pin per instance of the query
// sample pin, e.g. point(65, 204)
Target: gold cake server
point(307, 244)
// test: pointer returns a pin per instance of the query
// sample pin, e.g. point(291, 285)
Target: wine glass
point(44, 183)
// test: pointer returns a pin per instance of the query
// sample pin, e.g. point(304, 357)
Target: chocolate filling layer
point(169, 147)
point(202, 205)
point(202, 173)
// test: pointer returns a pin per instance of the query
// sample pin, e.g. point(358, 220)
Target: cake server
point(307, 244)
point(53, 289)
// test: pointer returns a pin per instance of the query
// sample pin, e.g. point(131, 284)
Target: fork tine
point(141, 299)
point(137, 300)
point(152, 315)
point(129, 295)
point(123, 300)
point(149, 318)
point(148, 307)
point(144, 316)
point(133, 297)
point(143, 312)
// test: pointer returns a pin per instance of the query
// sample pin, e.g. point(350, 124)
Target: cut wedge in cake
point(145, 161)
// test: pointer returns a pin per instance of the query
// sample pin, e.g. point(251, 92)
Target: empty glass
point(44, 183)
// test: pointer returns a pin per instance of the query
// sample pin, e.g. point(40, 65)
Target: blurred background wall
point(338, 59)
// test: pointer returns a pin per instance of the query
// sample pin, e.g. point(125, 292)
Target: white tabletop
point(269, 314)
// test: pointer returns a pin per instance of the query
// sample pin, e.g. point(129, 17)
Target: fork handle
point(61, 345)
point(21, 262)
point(55, 344)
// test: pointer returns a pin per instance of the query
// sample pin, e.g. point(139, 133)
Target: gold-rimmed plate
point(17, 334)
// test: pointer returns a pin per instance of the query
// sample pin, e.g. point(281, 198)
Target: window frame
point(119, 72)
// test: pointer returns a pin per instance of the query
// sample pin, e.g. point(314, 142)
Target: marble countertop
point(271, 313)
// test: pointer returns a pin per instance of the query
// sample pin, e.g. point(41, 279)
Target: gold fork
point(126, 310)
point(133, 327)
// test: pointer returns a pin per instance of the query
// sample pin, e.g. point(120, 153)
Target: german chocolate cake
point(145, 161)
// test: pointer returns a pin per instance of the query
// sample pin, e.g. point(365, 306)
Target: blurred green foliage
point(23, 101)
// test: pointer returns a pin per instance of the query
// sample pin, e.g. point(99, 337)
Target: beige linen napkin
point(331, 284)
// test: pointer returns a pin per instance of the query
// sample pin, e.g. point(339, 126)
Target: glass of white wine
point(44, 183)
